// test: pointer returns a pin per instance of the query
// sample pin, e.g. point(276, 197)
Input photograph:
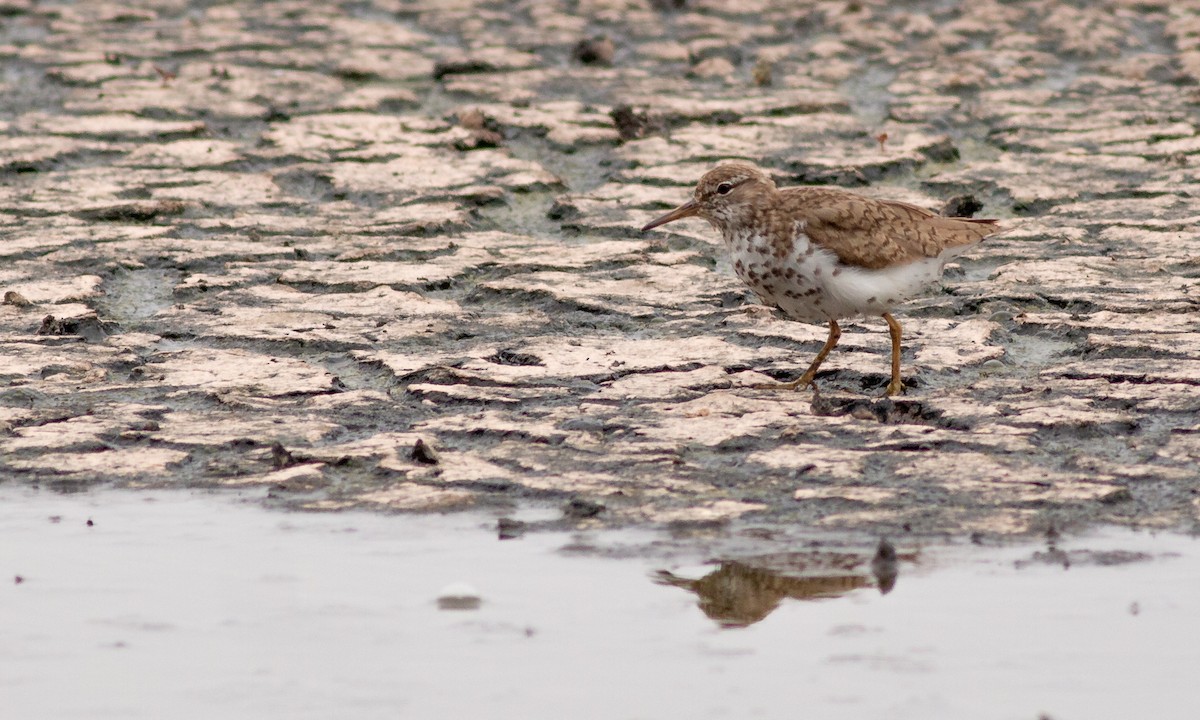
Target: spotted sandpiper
point(823, 254)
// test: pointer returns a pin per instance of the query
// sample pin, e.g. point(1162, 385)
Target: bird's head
point(726, 194)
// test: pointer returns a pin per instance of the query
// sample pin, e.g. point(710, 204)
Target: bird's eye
point(724, 188)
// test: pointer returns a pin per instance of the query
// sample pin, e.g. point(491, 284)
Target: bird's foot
point(895, 387)
point(798, 384)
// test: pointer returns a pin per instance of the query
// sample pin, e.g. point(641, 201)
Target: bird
point(823, 254)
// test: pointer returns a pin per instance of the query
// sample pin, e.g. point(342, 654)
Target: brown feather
point(877, 233)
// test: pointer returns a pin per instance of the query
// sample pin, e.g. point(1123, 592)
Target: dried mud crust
point(384, 255)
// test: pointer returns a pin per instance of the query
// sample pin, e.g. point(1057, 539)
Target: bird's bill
point(688, 209)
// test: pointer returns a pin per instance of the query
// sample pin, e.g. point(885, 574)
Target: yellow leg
point(835, 333)
point(895, 387)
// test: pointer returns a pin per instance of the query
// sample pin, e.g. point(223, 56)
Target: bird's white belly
point(809, 283)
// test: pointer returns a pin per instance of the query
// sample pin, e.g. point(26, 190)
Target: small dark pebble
point(485, 131)
point(581, 508)
point(1119, 495)
point(702, 50)
point(762, 73)
point(1052, 556)
point(595, 51)
point(16, 299)
point(132, 212)
point(803, 470)
point(962, 206)
point(512, 357)
point(942, 151)
point(508, 529)
point(465, 66)
point(821, 405)
point(280, 457)
point(453, 603)
point(583, 424)
point(17, 579)
point(422, 452)
point(562, 211)
point(631, 124)
point(56, 518)
point(90, 523)
point(1178, 159)
point(89, 327)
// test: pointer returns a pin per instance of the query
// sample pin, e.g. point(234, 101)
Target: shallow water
point(182, 605)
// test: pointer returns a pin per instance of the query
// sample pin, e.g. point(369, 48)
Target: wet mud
point(385, 255)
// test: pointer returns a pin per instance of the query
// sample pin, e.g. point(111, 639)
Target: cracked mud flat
point(272, 245)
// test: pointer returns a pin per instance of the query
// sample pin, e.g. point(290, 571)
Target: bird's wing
point(873, 233)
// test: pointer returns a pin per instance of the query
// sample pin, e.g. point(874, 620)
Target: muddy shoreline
point(273, 245)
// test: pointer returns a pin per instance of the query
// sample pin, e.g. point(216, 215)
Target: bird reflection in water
point(741, 593)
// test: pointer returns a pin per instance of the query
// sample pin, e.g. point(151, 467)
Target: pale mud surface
point(276, 243)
